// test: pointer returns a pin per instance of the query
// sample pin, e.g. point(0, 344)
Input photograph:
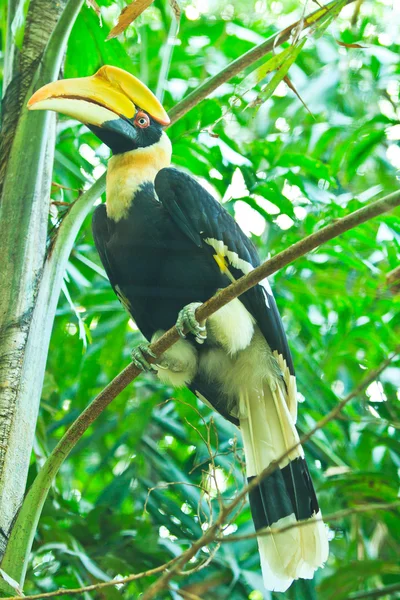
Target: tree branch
point(378, 593)
point(393, 280)
point(337, 516)
point(244, 61)
point(224, 296)
point(98, 586)
point(209, 86)
point(63, 244)
point(217, 580)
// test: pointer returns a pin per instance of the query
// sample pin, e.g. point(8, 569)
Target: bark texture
point(26, 160)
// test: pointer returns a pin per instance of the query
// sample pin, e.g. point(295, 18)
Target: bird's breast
point(127, 173)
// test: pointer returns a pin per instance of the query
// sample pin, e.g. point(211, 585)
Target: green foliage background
point(284, 173)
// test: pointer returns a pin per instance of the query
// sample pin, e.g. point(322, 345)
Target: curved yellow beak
point(109, 94)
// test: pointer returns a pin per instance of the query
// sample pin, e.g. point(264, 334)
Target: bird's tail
point(286, 496)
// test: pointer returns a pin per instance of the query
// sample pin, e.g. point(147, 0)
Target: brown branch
point(393, 280)
point(280, 260)
point(244, 61)
point(96, 586)
point(192, 590)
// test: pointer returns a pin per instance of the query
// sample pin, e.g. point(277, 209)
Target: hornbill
point(167, 245)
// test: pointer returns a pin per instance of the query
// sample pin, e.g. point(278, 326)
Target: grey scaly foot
point(139, 358)
point(187, 320)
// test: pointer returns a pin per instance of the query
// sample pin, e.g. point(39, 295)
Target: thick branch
point(220, 299)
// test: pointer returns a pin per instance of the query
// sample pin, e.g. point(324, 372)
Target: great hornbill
point(168, 245)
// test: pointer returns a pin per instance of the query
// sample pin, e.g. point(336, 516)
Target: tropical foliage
point(286, 158)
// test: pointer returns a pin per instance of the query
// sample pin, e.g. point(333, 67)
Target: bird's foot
point(187, 320)
point(139, 359)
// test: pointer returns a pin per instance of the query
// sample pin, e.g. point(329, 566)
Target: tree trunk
point(27, 147)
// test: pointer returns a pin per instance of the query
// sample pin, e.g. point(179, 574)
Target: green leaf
point(88, 49)
point(282, 71)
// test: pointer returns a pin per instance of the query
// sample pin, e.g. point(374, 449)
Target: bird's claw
point(139, 359)
point(187, 320)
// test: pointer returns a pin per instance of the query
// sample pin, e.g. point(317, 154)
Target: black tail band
point(286, 491)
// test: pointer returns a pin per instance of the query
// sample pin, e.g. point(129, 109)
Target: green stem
point(166, 59)
point(53, 55)
point(16, 556)
point(23, 316)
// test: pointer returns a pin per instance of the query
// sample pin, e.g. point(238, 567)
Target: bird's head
point(120, 110)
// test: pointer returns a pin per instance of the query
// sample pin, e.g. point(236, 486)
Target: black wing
point(102, 233)
point(101, 236)
point(208, 224)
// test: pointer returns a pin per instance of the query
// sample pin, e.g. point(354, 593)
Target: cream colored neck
point(127, 172)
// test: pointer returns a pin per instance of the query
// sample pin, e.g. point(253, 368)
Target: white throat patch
point(127, 172)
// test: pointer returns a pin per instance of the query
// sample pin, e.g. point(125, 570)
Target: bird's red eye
point(142, 120)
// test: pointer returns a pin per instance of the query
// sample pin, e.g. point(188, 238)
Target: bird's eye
point(142, 120)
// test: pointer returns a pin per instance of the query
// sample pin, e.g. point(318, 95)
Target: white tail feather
point(268, 432)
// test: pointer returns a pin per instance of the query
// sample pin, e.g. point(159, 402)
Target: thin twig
point(124, 580)
point(187, 595)
point(60, 203)
point(168, 50)
point(378, 593)
point(65, 187)
point(336, 516)
point(97, 586)
point(356, 13)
